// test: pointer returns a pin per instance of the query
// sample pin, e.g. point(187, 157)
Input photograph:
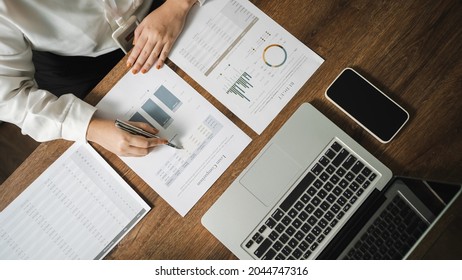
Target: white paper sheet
point(244, 59)
point(79, 208)
point(211, 142)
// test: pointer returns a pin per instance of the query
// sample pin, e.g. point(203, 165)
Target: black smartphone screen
point(367, 105)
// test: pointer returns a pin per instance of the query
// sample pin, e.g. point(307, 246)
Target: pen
point(138, 131)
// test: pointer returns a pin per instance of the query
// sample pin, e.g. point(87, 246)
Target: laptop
point(314, 193)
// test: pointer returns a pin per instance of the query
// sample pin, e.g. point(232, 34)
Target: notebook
point(314, 193)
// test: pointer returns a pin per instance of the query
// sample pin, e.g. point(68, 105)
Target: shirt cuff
point(75, 125)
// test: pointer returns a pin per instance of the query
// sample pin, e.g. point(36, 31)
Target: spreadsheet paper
point(79, 208)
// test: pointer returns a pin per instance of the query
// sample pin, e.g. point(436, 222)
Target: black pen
point(138, 131)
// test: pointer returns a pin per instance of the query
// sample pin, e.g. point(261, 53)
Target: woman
point(53, 52)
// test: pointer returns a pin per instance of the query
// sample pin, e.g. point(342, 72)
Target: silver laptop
point(313, 192)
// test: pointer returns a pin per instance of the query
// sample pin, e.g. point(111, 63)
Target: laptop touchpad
point(270, 175)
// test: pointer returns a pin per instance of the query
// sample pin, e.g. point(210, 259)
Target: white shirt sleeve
point(39, 113)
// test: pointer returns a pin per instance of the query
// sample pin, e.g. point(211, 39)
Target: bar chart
point(240, 87)
point(155, 111)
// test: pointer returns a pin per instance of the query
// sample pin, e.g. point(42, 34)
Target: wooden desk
point(410, 49)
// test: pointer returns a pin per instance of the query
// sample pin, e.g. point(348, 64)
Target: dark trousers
point(72, 74)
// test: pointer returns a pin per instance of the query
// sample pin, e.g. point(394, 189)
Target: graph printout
point(244, 58)
point(210, 141)
point(79, 208)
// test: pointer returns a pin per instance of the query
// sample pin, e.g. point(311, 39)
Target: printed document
point(244, 59)
point(79, 208)
point(210, 141)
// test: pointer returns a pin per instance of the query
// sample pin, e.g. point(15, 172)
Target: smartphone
point(367, 105)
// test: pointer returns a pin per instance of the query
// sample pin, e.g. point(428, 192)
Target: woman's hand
point(156, 34)
point(122, 143)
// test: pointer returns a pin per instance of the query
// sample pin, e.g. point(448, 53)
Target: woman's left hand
point(156, 34)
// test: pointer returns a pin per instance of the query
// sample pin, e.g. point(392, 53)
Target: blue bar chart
point(153, 109)
point(157, 113)
point(168, 98)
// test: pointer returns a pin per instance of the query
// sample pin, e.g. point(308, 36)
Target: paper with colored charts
point(244, 59)
point(210, 141)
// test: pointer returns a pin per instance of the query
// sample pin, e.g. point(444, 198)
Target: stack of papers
point(79, 208)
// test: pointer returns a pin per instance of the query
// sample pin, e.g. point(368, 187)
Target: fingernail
point(134, 71)
point(129, 64)
point(143, 71)
point(158, 66)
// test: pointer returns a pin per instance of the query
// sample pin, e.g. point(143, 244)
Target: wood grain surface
point(412, 50)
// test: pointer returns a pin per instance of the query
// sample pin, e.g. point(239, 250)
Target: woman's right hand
point(120, 142)
point(156, 34)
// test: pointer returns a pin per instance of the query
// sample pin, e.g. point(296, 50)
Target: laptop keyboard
point(308, 215)
point(391, 235)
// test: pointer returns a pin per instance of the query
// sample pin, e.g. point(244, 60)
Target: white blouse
point(69, 28)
